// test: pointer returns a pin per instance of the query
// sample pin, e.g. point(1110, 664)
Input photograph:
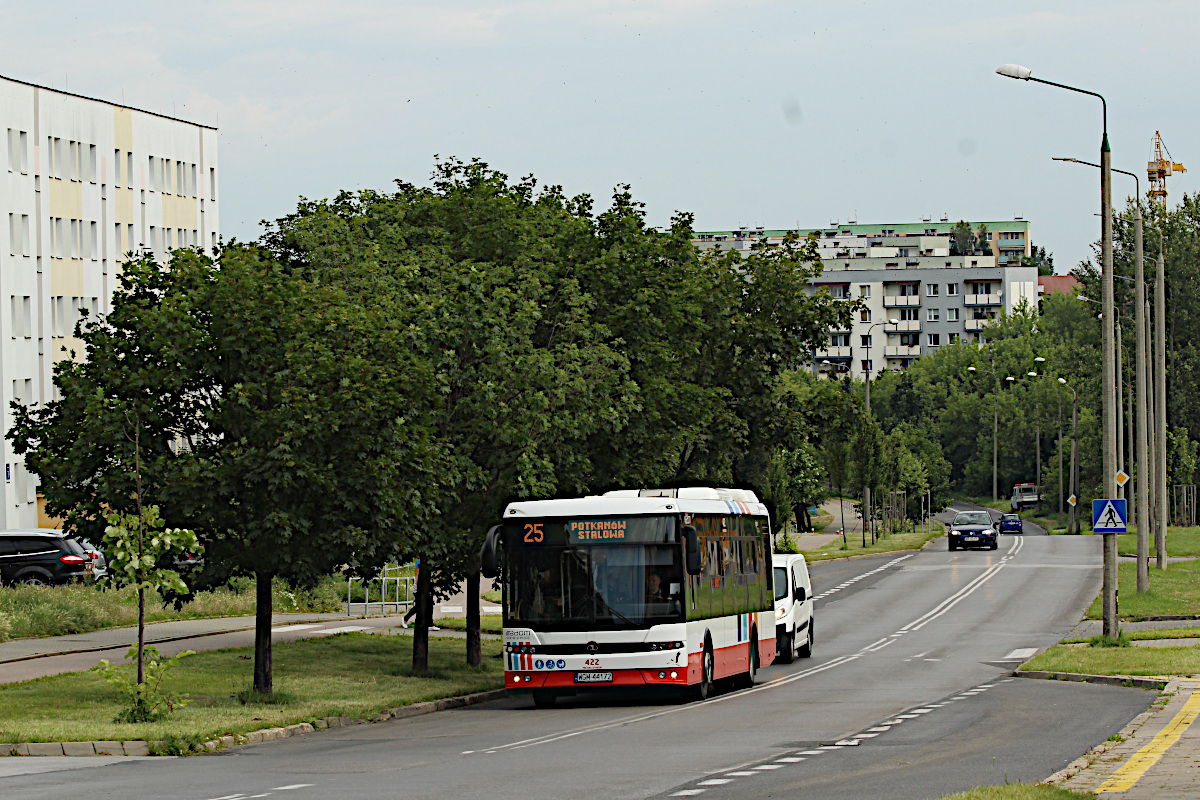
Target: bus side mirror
point(691, 541)
point(489, 557)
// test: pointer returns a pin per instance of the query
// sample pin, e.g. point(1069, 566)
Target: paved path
point(852, 521)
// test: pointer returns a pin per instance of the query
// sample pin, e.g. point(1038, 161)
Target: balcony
point(981, 299)
point(832, 353)
point(901, 301)
point(976, 324)
point(904, 326)
point(1011, 244)
point(902, 351)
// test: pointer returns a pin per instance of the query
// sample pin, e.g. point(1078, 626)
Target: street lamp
point(1108, 443)
point(867, 512)
point(1073, 525)
point(1141, 454)
point(995, 427)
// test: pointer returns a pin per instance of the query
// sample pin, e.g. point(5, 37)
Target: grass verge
point(1180, 542)
point(62, 610)
point(854, 543)
point(1153, 633)
point(1175, 590)
point(1118, 660)
point(353, 675)
point(488, 623)
point(1017, 792)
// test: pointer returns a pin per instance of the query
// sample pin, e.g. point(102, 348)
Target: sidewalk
point(1158, 757)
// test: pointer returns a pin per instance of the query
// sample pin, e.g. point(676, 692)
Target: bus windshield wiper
point(611, 610)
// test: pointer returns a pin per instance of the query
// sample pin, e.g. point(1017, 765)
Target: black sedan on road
point(973, 529)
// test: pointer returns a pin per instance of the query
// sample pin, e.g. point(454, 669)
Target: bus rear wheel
point(747, 678)
point(707, 668)
point(543, 699)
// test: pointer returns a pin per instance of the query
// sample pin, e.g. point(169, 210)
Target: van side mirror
point(691, 543)
point(489, 555)
point(801, 595)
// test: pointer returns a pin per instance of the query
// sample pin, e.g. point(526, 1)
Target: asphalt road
point(906, 696)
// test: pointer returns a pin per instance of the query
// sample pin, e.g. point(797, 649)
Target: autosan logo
point(592, 647)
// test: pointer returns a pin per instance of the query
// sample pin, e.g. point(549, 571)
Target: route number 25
point(533, 533)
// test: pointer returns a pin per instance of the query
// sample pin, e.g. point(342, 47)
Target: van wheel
point(806, 649)
point(542, 699)
point(787, 648)
point(707, 669)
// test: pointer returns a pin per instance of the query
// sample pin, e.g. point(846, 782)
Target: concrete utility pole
point(866, 509)
point(1141, 457)
point(1160, 377)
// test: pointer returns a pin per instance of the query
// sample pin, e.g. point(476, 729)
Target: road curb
point(1107, 680)
point(143, 748)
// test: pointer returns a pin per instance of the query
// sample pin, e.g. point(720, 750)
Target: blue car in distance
point(1011, 523)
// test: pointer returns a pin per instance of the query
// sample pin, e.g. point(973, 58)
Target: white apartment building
point(918, 297)
point(82, 182)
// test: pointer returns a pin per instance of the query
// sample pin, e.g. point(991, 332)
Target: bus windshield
point(592, 574)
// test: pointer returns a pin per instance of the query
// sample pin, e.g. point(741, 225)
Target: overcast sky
point(754, 113)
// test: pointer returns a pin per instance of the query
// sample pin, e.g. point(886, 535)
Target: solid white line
point(292, 786)
point(953, 600)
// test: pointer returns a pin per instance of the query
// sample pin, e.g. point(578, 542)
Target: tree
point(981, 241)
point(281, 419)
point(1040, 258)
point(961, 238)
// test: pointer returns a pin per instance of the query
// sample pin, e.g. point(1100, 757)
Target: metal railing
point(401, 588)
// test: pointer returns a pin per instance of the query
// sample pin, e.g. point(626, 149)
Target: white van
point(793, 607)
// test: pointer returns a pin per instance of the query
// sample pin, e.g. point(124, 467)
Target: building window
point(931, 290)
point(839, 340)
point(866, 366)
point(951, 289)
point(129, 169)
point(866, 340)
point(909, 314)
point(909, 340)
point(954, 338)
point(952, 315)
point(934, 315)
point(935, 339)
point(864, 315)
point(864, 291)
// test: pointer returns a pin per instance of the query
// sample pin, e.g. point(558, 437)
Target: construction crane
point(1159, 167)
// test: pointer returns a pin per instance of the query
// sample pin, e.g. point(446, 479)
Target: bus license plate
point(593, 677)
point(970, 538)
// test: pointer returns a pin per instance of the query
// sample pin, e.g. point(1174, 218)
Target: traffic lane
point(852, 682)
point(1029, 528)
point(1011, 731)
point(852, 572)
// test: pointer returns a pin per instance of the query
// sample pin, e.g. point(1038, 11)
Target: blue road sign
point(1108, 516)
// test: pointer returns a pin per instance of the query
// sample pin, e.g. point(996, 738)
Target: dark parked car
point(42, 556)
point(1011, 523)
point(973, 529)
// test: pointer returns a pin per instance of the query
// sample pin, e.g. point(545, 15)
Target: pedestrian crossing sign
point(1109, 516)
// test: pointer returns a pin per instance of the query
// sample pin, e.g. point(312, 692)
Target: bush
point(5, 626)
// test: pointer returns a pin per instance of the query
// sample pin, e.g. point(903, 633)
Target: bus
point(669, 589)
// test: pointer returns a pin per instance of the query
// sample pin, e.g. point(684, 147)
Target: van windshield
point(781, 583)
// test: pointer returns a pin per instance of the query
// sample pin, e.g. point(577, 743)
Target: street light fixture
point(1109, 427)
point(995, 429)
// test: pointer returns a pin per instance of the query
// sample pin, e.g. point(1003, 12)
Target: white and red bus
point(667, 588)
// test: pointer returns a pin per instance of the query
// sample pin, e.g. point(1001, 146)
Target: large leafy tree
point(280, 418)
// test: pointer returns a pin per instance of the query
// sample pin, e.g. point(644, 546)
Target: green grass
point(1175, 590)
point(897, 541)
point(61, 610)
point(492, 595)
point(1018, 791)
point(488, 623)
point(1180, 542)
point(1153, 633)
point(354, 675)
point(1118, 660)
